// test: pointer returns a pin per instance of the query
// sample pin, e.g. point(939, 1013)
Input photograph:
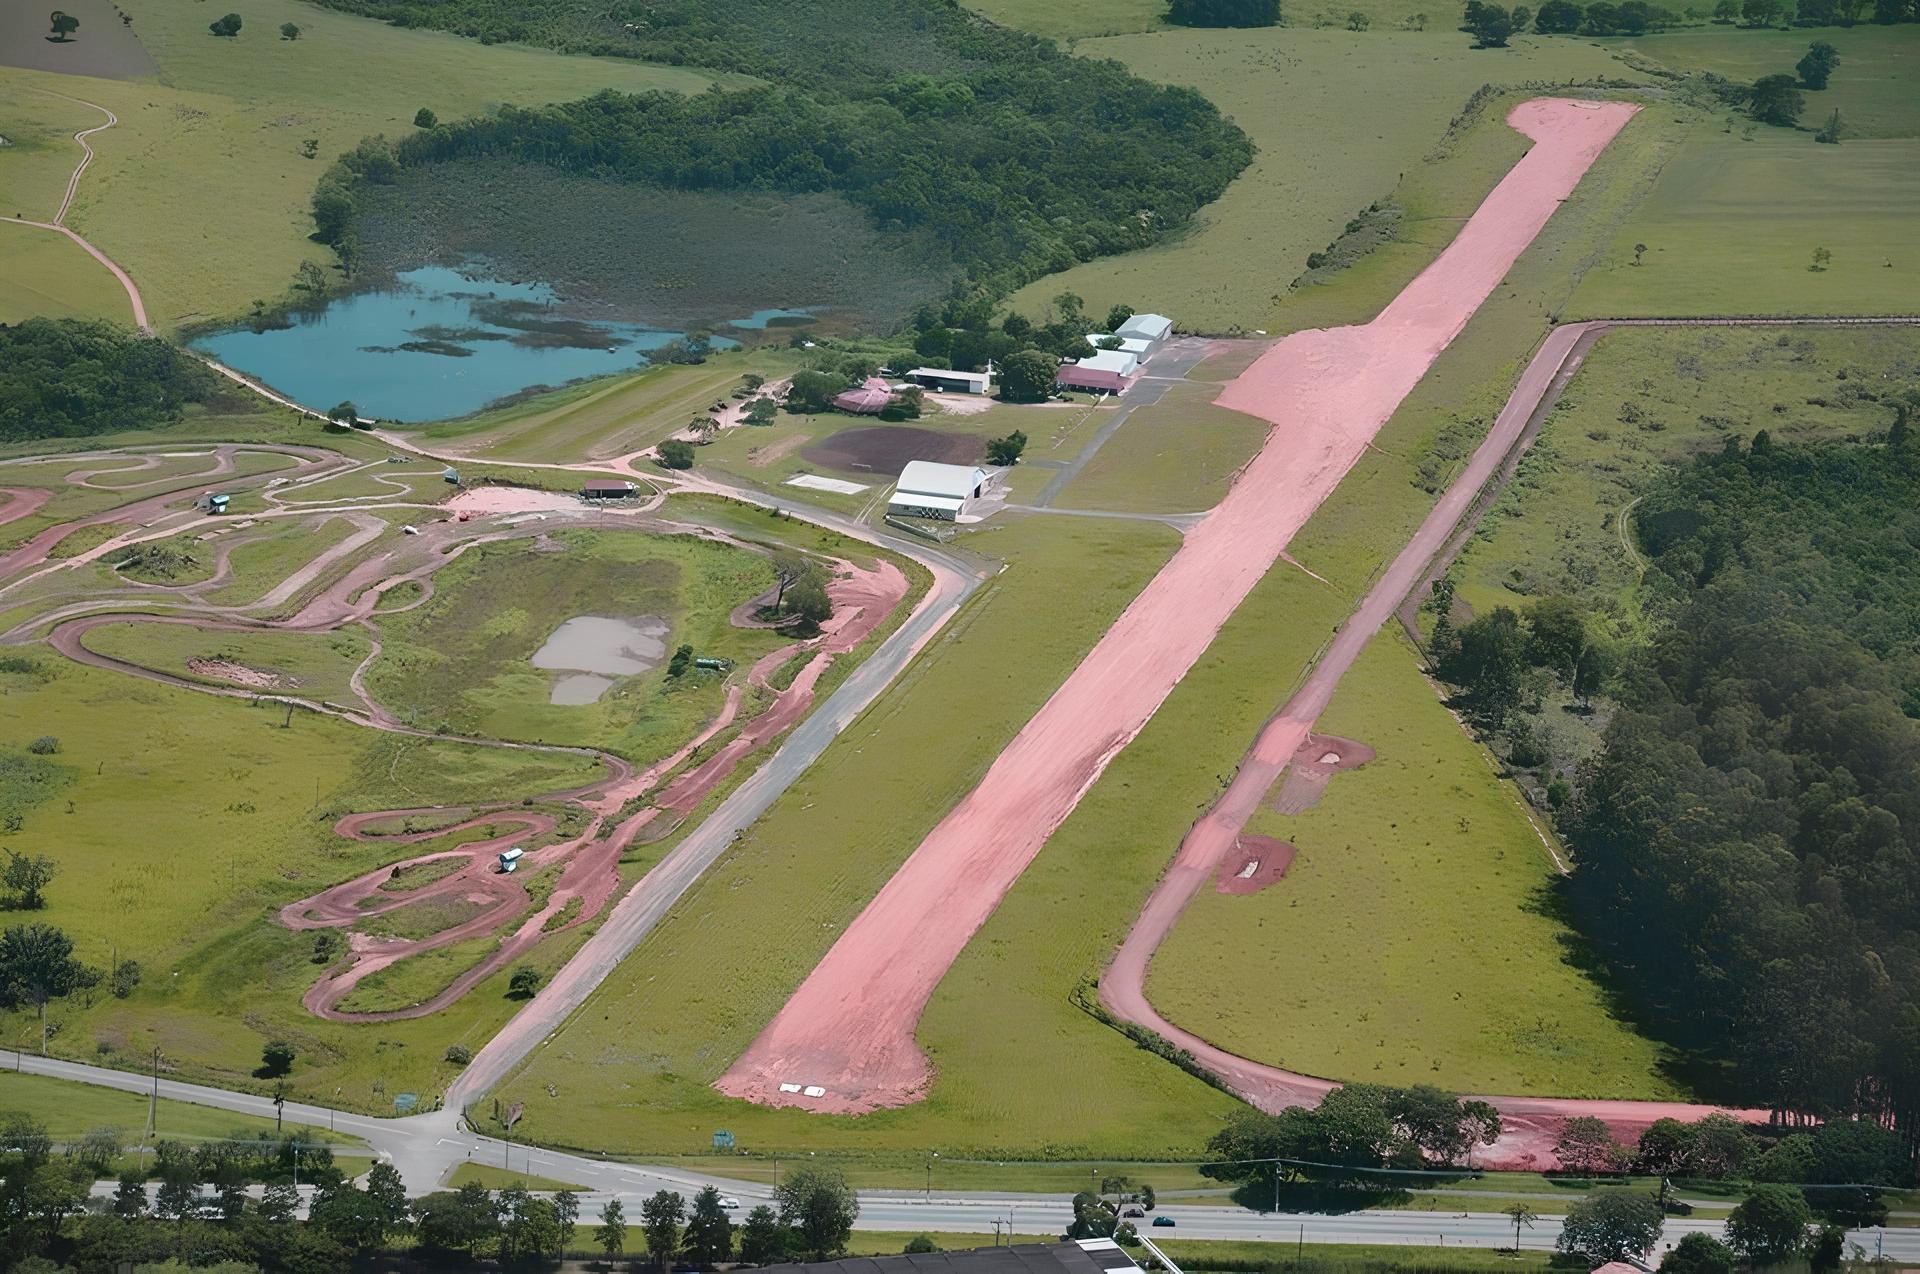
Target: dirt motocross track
point(588, 880)
point(845, 1041)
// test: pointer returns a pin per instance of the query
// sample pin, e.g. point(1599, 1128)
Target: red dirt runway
point(848, 1032)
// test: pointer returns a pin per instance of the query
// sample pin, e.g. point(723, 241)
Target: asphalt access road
point(425, 1148)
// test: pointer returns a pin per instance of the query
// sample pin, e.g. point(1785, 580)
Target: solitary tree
point(762, 411)
point(1522, 1215)
point(37, 965)
point(1491, 24)
point(1769, 1225)
point(289, 31)
point(1830, 131)
point(1821, 258)
point(64, 24)
point(1639, 251)
point(1612, 1225)
point(703, 429)
point(524, 982)
point(660, 1218)
point(26, 877)
point(424, 118)
point(345, 413)
point(676, 453)
point(1006, 451)
point(613, 1229)
point(808, 599)
point(226, 27)
point(1027, 376)
point(276, 1058)
point(1358, 21)
point(1776, 99)
point(1817, 64)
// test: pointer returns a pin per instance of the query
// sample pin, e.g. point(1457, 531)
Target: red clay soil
point(21, 501)
point(849, 1028)
point(1255, 863)
point(884, 450)
point(1314, 763)
point(863, 598)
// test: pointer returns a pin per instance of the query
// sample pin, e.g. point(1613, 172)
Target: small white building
point(938, 491)
point(950, 382)
point(1154, 329)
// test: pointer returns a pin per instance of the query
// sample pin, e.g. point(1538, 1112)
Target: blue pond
point(443, 343)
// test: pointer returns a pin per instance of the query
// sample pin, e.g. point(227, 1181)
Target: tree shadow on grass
point(1687, 1060)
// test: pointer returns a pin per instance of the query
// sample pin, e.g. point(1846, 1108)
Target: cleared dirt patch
point(1315, 762)
point(885, 450)
point(239, 674)
point(1255, 863)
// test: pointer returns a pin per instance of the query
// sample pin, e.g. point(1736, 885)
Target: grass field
point(638, 1056)
point(1645, 399)
point(1175, 456)
point(201, 193)
point(43, 273)
point(70, 1110)
point(1731, 226)
point(257, 566)
point(1341, 119)
point(1873, 90)
point(463, 659)
point(234, 816)
point(1070, 19)
point(311, 665)
point(608, 417)
point(1412, 940)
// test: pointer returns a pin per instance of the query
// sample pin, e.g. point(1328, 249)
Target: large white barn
point(929, 490)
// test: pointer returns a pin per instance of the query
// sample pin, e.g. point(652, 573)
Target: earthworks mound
point(884, 450)
point(1255, 863)
point(1320, 758)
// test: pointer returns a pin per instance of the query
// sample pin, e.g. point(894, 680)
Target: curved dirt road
point(59, 222)
point(847, 1034)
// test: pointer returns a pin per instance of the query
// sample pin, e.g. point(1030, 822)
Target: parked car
point(1163, 1220)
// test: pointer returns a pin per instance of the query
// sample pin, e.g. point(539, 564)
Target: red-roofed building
point(867, 399)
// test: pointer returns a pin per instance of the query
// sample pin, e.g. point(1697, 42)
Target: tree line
point(1492, 24)
point(1009, 155)
point(1747, 843)
point(73, 378)
point(201, 1212)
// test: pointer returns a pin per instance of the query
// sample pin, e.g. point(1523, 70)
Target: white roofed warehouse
point(937, 491)
point(1154, 329)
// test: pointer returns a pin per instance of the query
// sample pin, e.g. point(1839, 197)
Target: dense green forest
point(1015, 158)
point(1748, 842)
point(72, 378)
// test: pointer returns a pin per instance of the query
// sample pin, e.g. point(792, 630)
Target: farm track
point(59, 222)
